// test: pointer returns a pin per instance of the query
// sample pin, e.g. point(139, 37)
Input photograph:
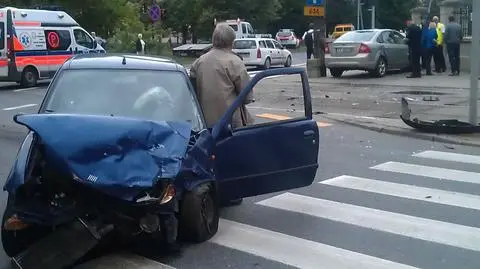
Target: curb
point(403, 132)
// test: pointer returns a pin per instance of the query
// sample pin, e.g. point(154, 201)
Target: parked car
point(262, 52)
point(287, 38)
point(130, 154)
point(341, 29)
point(375, 51)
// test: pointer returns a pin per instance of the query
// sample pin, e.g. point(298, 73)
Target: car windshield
point(244, 44)
point(358, 36)
point(143, 94)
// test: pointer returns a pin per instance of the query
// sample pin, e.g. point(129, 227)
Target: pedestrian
point(219, 76)
point(308, 39)
point(439, 58)
point(453, 36)
point(429, 44)
point(414, 39)
point(140, 45)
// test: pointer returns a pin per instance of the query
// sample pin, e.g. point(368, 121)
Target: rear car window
point(347, 29)
point(244, 44)
point(284, 33)
point(359, 36)
point(338, 29)
point(2, 35)
point(149, 95)
point(234, 27)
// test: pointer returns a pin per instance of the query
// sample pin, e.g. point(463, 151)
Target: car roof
point(254, 38)
point(122, 61)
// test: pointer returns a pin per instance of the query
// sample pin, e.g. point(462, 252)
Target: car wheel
point(288, 63)
point(267, 64)
point(336, 73)
point(199, 214)
point(14, 242)
point(29, 77)
point(381, 68)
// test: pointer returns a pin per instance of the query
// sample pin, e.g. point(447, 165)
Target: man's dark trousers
point(453, 50)
point(309, 52)
point(415, 56)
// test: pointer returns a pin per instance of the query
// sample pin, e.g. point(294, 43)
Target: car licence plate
point(343, 50)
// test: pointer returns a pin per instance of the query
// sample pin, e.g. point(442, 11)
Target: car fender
point(16, 178)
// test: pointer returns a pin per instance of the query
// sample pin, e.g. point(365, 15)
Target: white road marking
point(123, 260)
point(420, 228)
point(18, 107)
point(449, 156)
point(294, 251)
point(26, 89)
point(429, 171)
point(406, 191)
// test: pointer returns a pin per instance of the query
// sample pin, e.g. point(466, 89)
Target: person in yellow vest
point(439, 58)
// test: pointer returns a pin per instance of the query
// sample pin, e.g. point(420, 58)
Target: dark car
point(120, 144)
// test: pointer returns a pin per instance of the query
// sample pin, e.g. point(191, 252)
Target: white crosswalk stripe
point(304, 253)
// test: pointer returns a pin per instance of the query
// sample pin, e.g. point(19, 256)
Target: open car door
point(266, 157)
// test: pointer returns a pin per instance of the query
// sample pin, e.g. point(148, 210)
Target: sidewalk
point(452, 94)
point(375, 103)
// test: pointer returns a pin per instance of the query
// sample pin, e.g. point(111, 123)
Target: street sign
point(314, 11)
point(315, 2)
point(155, 12)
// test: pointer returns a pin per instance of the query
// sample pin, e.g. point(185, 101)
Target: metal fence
point(464, 17)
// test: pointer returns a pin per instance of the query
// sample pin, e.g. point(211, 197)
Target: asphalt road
point(378, 201)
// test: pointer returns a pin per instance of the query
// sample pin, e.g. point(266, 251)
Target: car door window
point(244, 29)
point(387, 37)
point(398, 38)
point(269, 44)
point(277, 45)
point(250, 29)
point(2, 35)
point(83, 39)
point(58, 39)
point(262, 44)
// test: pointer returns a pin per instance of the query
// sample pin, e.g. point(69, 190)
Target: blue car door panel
point(270, 157)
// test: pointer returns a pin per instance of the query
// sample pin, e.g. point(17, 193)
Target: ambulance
point(35, 43)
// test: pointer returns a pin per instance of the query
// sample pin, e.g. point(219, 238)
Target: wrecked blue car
point(120, 146)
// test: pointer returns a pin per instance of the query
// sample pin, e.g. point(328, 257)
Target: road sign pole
point(358, 14)
point(475, 63)
point(373, 17)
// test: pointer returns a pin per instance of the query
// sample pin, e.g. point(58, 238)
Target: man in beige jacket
point(220, 76)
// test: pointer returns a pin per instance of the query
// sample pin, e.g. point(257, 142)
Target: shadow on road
point(15, 86)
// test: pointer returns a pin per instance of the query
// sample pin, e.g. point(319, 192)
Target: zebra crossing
point(312, 253)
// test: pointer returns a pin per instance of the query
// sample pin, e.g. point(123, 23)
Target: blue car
point(120, 145)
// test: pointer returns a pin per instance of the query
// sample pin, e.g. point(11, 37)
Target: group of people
point(427, 41)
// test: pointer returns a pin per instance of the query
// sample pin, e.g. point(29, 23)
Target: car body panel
point(269, 48)
point(254, 169)
point(267, 157)
point(345, 54)
point(119, 156)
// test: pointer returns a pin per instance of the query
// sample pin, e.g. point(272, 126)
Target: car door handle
point(309, 133)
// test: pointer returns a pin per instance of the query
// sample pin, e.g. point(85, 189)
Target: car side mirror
point(95, 44)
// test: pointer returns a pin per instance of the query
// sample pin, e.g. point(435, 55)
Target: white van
point(35, 43)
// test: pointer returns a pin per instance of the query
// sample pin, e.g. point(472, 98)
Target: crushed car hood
point(118, 156)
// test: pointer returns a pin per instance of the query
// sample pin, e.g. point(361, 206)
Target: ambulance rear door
point(3, 44)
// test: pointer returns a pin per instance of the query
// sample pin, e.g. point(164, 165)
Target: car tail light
point(364, 49)
point(259, 53)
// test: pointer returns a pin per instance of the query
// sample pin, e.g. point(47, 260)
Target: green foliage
point(121, 20)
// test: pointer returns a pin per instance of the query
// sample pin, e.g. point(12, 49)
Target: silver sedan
point(374, 50)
